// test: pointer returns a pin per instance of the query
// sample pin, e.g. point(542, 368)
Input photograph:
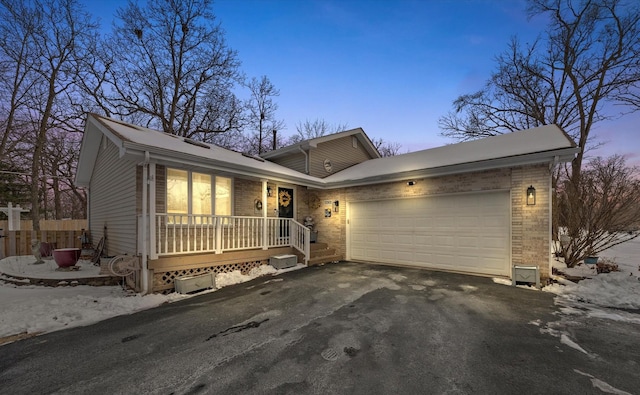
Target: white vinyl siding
point(112, 196)
point(295, 161)
point(466, 232)
point(342, 154)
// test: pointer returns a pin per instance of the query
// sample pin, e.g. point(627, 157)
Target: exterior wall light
point(531, 196)
point(269, 191)
point(410, 183)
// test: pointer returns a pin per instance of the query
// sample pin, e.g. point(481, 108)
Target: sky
point(392, 67)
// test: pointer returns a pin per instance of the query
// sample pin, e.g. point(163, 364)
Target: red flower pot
point(66, 257)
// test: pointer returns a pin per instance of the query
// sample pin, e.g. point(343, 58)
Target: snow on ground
point(30, 309)
point(619, 290)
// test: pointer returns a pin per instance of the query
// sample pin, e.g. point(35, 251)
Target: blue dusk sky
point(392, 67)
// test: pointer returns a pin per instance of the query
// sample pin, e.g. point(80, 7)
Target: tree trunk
point(41, 140)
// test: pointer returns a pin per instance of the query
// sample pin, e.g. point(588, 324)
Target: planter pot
point(66, 257)
point(591, 260)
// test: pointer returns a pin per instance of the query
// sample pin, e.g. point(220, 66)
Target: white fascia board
point(563, 155)
point(135, 152)
point(167, 157)
point(89, 148)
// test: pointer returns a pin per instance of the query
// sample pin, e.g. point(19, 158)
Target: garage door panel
point(456, 232)
point(468, 221)
point(468, 241)
point(495, 242)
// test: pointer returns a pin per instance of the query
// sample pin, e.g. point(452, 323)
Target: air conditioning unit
point(188, 284)
point(526, 274)
point(283, 261)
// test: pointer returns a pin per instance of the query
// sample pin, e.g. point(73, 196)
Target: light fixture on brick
point(531, 196)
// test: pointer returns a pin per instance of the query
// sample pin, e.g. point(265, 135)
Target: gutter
point(565, 154)
point(557, 156)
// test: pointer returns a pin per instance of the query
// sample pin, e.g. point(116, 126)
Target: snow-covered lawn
point(27, 310)
point(619, 290)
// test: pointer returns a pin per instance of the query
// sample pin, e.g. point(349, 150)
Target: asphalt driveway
point(341, 328)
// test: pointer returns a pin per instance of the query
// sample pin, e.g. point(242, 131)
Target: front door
point(285, 209)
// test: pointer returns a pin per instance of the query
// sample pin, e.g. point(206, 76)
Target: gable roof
point(536, 145)
point(358, 133)
point(539, 145)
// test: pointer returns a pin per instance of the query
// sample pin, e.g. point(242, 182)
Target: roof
point(136, 143)
point(313, 143)
point(524, 147)
point(539, 145)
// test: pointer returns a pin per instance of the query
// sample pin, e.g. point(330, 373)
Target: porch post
point(265, 228)
point(153, 251)
point(144, 274)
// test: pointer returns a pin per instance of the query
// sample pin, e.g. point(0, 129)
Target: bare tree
point(585, 62)
point(313, 129)
point(600, 211)
point(167, 66)
point(52, 36)
point(588, 58)
point(262, 110)
point(16, 47)
point(386, 148)
point(60, 160)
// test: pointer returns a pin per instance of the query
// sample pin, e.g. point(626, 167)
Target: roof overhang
point(225, 162)
point(550, 157)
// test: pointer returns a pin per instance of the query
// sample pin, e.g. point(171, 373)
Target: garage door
point(467, 232)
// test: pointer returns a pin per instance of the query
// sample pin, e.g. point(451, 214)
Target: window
point(223, 196)
point(177, 191)
point(193, 193)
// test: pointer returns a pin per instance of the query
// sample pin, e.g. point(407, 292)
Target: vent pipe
point(274, 139)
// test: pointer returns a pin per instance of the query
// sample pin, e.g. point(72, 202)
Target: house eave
point(136, 152)
point(562, 155)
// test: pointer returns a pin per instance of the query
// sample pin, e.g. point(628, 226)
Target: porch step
point(318, 246)
point(321, 254)
point(321, 260)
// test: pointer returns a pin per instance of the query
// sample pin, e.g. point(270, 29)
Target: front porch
point(183, 245)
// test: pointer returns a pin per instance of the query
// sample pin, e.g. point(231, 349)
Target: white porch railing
point(177, 234)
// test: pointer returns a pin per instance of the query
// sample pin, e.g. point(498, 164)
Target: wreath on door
point(284, 198)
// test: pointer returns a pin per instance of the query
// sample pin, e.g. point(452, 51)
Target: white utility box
point(526, 274)
point(283, 261)
point(199, 282)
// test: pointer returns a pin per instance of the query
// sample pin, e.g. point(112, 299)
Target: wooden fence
point(16, 243)
point(49, 224)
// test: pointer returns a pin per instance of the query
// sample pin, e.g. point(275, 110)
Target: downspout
point(552, 191)
point(306, 160)
point(144, 278)
point(88, 213)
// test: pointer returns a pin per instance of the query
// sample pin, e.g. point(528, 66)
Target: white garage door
point(467, 232)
